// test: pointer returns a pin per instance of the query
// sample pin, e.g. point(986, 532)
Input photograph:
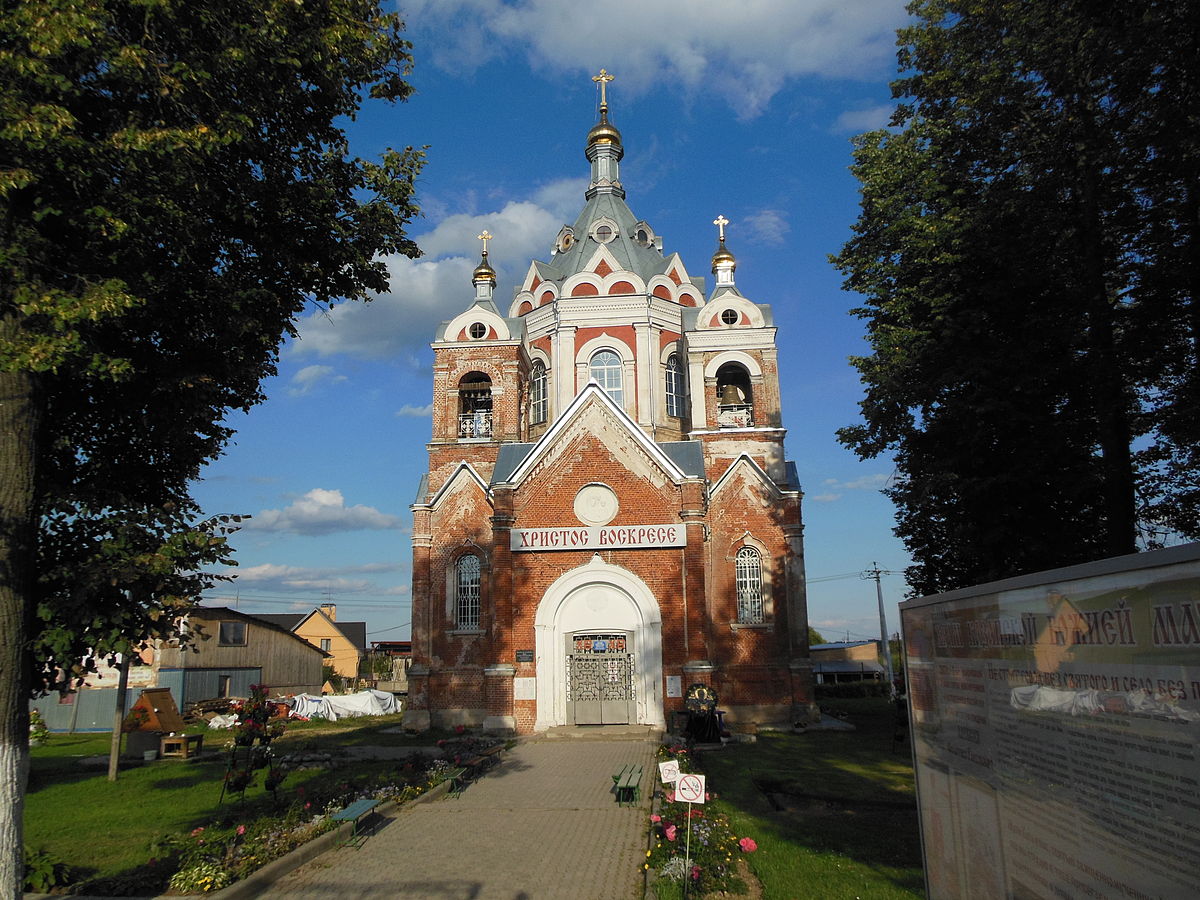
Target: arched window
point(467, 592)
point(606, 372)
point(674, 386)
point(735, 403)
point(537, 393)
point(749, 586)
point(475, 406)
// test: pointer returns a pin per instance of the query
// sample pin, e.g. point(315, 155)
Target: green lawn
point(105, 828)
point(844, 820)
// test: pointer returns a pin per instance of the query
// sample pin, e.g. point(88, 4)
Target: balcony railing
point(475, 425)
point(735, 415)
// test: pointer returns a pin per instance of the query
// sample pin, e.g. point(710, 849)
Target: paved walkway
point(542, 825)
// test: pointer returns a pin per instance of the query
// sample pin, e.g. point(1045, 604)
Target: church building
point(608, 518)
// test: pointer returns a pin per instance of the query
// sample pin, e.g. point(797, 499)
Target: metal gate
point(600, 679)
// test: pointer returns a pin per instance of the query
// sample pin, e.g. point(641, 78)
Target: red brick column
point(416, 706)
point(498, 688)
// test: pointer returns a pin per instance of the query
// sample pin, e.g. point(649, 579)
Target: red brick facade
point(673, 554)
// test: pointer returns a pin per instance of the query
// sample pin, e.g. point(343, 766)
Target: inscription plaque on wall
point(524, 656)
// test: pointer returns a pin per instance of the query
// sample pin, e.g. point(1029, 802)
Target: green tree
point(175, 187)
point(1004, 252)
point(815, 637)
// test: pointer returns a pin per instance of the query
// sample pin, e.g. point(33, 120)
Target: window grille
point(468, 592)
point(749, 587)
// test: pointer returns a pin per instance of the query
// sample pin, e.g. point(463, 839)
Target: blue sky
point(739, 109)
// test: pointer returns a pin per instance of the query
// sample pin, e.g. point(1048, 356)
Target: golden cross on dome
point(485, 237)
point(721, 222)
point(602, 79)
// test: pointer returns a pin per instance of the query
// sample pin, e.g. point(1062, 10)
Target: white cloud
point(339, 580)
point(308, 378)
point(744, 52)
point(856, 121)
point(416, 412)
point(438, 287)
point(768, 226)
point(834, 487)
point(322, 512)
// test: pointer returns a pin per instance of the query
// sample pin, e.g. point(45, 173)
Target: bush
point(43, 871)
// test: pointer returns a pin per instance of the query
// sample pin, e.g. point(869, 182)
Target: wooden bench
point(628, 785)
point(356, 812)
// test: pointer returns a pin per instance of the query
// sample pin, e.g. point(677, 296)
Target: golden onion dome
point(483, 272)
point(604, 132)
point(723, 257)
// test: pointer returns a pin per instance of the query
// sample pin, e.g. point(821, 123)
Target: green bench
point(355, 813)
point(628, 785)
point(458, 781)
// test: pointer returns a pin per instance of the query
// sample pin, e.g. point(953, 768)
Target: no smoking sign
point(690, 788)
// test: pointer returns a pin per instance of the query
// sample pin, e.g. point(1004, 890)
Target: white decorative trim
point(748, 362)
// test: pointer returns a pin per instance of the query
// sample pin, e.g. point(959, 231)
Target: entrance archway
point(598, 599)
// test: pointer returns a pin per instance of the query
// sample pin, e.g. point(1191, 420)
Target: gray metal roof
point(688, 455)
point(631, 256)
point(510, 456)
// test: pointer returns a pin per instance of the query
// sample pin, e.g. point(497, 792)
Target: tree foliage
point(1026, 248)
point(175, 187)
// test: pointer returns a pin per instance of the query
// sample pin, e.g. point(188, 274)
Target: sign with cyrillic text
point(589, 537)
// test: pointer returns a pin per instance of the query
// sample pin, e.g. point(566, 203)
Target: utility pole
point(873, 573)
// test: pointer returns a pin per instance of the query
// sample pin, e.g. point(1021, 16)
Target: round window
point(730, 316)
point(478, 330)
point(604, 234)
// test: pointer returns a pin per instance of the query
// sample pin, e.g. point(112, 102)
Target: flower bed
point(711, 865)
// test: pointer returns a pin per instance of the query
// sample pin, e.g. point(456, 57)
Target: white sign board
point(669, 771)
point(674, 686)
point(524, 688)
point(1056, 730)
point(690, 789)
point(590, 537)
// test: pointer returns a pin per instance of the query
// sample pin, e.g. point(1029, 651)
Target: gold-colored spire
point(483, 271)
point(603, 132)
point(722, 256)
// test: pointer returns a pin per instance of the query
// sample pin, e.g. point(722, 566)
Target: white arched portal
point(598, 597)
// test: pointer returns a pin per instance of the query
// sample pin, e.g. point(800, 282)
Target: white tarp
point(344, 706)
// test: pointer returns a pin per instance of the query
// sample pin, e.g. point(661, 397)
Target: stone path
point(542, 825)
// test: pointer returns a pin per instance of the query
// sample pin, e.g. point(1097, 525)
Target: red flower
point(747, 845)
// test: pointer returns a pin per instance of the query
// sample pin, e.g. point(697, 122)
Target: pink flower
point(656, 818)
point(196, 832)
point(747, 845)
point(241, 829)
point(670, 795)
point(670, 832)
point(308, 805)
point(695, 873)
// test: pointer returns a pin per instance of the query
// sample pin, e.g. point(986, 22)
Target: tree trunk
point(19, 426)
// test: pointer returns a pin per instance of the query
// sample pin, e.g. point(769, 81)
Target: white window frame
point(609, 375)
point(539, 405)
point(673, 382)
